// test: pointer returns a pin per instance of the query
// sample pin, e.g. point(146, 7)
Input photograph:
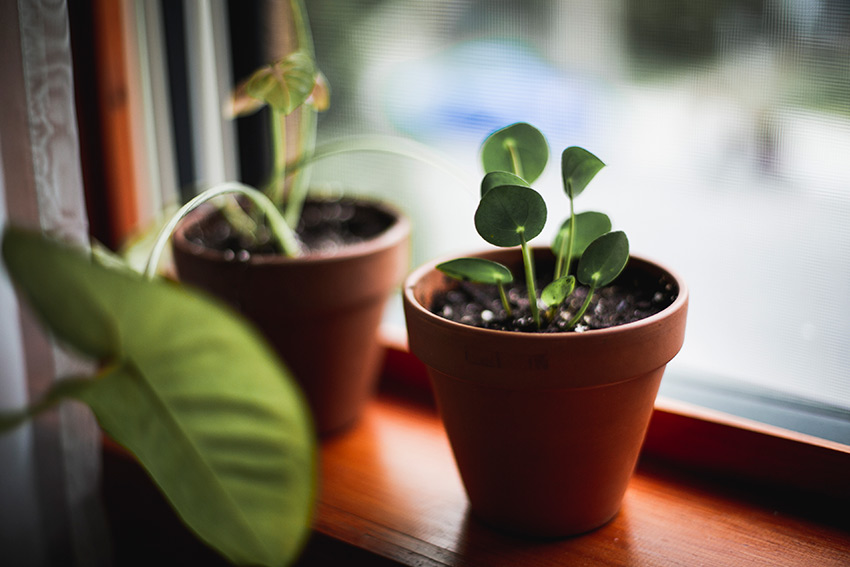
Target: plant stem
point(284, 235)
point(515, 161)
point(565, 254)
point(528, 263)
point(303, 36)
point(571, 239)
point(504, 299)
point(61, 390)
point(277, 184)
point(577, 317)
point(301, 177)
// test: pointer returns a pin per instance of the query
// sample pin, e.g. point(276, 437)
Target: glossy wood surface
point(391, 495)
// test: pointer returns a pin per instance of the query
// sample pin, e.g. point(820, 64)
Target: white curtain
point(49, 470)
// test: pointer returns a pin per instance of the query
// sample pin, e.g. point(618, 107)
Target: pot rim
point(419, 273)
point(396, 232)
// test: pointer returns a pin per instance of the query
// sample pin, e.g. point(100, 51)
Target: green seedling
point(511, 213)
point(292, 84)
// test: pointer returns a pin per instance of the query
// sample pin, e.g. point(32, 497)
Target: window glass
point(725, 124)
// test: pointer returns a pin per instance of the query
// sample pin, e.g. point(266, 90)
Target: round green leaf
point(604, 259)
point(556, 292)
point(590, 225)
point(578, 168)
point(477, 270)
point(519, 148)
point(499, 178)
point(509, 213)
point(196, 395)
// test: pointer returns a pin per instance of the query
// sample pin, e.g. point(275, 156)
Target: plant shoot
point(511, 213)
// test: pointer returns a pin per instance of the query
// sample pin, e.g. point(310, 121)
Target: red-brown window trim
point(702, 440)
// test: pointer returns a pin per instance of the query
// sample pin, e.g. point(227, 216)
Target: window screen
point(726, 128)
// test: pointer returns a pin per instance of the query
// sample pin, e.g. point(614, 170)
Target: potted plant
point(312, 274)
point(545, 396)
point(188, 387)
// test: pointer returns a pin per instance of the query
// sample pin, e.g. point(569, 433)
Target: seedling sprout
point(511, 213)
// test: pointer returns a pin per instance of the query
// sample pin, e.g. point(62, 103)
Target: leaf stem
point(511, 146)
point(571, 239)
point(277, 183)
point(577, 317)
point(565, 253)
point(528, 263)
point(504, 299)
point(301, 177)
point(303, 35)
point(61, 390)
point(280, 230)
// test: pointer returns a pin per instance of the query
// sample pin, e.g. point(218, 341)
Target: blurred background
point(726, 128)
point(725, 125)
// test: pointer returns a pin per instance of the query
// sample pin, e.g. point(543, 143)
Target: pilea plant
point(511, 213)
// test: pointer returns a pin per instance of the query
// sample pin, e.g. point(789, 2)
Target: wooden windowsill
point(709, 490)
point(391, 495)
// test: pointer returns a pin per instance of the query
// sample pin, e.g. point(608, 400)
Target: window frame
point(730, 449)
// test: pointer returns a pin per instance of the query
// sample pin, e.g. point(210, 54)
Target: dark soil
point(326, 226)
point(633, 296)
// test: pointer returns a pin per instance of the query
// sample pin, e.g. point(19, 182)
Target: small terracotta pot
point(321, 312)
point(545, 428)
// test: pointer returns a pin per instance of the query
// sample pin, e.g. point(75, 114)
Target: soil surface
point(634, 295)
point(325, 226)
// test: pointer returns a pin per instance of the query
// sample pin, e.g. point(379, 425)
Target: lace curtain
point(49, 478)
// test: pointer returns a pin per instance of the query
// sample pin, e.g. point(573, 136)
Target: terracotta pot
point(545, 428)
point(321, 312)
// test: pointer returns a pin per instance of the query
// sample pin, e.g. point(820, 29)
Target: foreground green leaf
point(556, 292)
point(590, 225)
point(499, 178)
point(519, 148)
point(578, 168)
point(510, 215)
point(604, 259)
point(191, 390)
point(478, 270)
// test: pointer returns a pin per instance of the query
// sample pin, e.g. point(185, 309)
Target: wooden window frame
point(711, 443)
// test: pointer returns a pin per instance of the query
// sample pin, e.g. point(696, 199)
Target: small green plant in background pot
point(545, 395)
point(313, 275)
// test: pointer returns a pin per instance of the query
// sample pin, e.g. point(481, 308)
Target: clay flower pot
point(545, 428)
point(321, 312)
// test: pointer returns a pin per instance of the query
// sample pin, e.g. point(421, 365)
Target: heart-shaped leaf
point(556, 292)
point(578, 168)
point(191, 390)
point(604, 259)
point(477, 270)
point(284, 85)
point(510, 214)
point(590, 225)
point(519, 148)
point(499, 178)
